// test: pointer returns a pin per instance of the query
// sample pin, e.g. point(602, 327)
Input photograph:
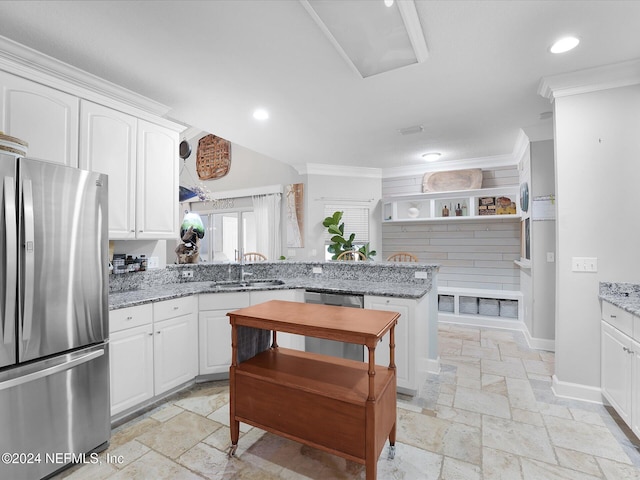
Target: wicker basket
point(213, 158)
point(13, 145)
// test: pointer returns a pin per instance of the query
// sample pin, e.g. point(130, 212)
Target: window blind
point(355, 219)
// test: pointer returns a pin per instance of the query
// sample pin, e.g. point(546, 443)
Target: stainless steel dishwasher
point(331, 347)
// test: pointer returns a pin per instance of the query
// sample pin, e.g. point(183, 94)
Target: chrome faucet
point(243, 274)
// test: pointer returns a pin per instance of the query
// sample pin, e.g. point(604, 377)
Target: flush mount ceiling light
point(371, 37)
point(388, 3)
point(260, 114)
point(431, 157)
point(564, 45)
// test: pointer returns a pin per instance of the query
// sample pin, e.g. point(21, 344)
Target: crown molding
point(411, 22)
point(508, 160)
point(32, 65)
point(338, 170)
point(590, 80)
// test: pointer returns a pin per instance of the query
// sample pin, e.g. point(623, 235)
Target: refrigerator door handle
point(11, 229)
point(29, 260)
point(30, 377)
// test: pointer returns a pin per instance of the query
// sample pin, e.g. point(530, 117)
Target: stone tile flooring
point(490, 414)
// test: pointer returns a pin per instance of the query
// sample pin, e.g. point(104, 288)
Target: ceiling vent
point(373, 38)
point(411, 130)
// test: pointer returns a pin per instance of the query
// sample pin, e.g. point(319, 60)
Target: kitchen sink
point(232, 285)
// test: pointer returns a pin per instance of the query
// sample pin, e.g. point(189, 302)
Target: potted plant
point(340, 243)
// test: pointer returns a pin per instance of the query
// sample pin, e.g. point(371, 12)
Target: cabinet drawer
point(173, 308)
point(229, 301)
point(618, 318)
point(130, 317)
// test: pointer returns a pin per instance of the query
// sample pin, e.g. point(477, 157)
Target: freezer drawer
point(52, 411)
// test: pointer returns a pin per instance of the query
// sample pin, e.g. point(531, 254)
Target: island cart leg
point(371, 460)
point(392, 365)
point(234, 424)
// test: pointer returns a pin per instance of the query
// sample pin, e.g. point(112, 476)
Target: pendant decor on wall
point(213, 158)
point(294, 195)
point(452, 180)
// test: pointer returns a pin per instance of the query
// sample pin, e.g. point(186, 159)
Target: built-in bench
point(479, 306)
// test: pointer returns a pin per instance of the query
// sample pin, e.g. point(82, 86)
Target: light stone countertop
point(623, 295)
point(169, 291)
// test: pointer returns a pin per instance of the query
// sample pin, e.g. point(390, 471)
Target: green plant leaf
point(335, 230)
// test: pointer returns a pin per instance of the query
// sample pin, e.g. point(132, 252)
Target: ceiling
point(214, 62)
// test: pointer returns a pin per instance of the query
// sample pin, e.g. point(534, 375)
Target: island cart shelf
point(344, 407)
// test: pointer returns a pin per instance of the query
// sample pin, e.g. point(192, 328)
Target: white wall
point(597, 179)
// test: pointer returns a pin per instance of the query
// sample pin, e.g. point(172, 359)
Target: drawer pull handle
point(176, 308)
point(613, 316)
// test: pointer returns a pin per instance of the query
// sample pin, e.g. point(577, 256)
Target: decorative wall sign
point(213, 157)
point(295, 215)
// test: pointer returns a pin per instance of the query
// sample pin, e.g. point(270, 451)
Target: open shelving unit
point(430, 207)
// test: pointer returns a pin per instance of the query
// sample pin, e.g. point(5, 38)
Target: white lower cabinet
point(404, 334)
point(620, 363)
point(153, 348)
point(215, 330)
point(130, 357)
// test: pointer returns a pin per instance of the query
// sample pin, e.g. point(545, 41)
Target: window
point(223, 231)
point(355, 219)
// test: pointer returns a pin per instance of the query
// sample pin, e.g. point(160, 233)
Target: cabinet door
point(284, 339)
point(44, 117)
point(616, 370)
point(157, 182)
point(175, 352)
point(215, 342)
point(403, 339)
point(131, 367)
point(635, 384)
point(108, 145)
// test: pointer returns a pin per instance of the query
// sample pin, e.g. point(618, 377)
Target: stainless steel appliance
point(54, 366)
point(331, 347)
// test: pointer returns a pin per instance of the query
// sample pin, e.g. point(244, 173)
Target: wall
point(597, 175)
point(472, 254)
point(346, 190)
point(543, 241)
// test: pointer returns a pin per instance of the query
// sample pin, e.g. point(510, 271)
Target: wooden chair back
point(352, 255)
point(402, 257)
point(254, 257)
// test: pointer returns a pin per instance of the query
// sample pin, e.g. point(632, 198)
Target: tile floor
point(490, 414)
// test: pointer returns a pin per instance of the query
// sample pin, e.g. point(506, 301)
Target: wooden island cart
point(344, 407)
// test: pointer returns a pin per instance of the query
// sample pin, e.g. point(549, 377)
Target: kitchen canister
point(12, 145)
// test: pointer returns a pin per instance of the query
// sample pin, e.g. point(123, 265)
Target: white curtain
point(267, 212)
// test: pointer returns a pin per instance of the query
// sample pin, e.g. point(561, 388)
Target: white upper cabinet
point(141, 159)
point(157, 182)
point(108, 145)
point(46, 118)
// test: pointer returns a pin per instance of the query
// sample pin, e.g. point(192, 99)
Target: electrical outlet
point(153, 262)
point(187, 274)
point(316, 269)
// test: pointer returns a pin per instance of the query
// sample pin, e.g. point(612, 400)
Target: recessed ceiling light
point(260, 114)
point(564, 45)
point(431, 157)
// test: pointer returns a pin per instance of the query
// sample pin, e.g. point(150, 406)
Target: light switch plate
point(584, 264)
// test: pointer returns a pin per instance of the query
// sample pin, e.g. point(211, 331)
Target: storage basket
point(12, 145)
point(445, 303)
point(509, 308)
point(488, 306)
point(213, 159)
point(468, 305)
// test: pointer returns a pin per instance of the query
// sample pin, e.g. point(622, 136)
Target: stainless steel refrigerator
point(54, 366)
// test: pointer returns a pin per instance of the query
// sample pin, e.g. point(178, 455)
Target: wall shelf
point(432, 207)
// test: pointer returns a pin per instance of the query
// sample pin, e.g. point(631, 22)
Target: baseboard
point(539, 343)
point(576, 391)
point(482, 321)
point(433, 366)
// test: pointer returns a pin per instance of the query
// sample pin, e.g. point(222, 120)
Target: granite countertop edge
point(627, 303)
point(170, 291)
